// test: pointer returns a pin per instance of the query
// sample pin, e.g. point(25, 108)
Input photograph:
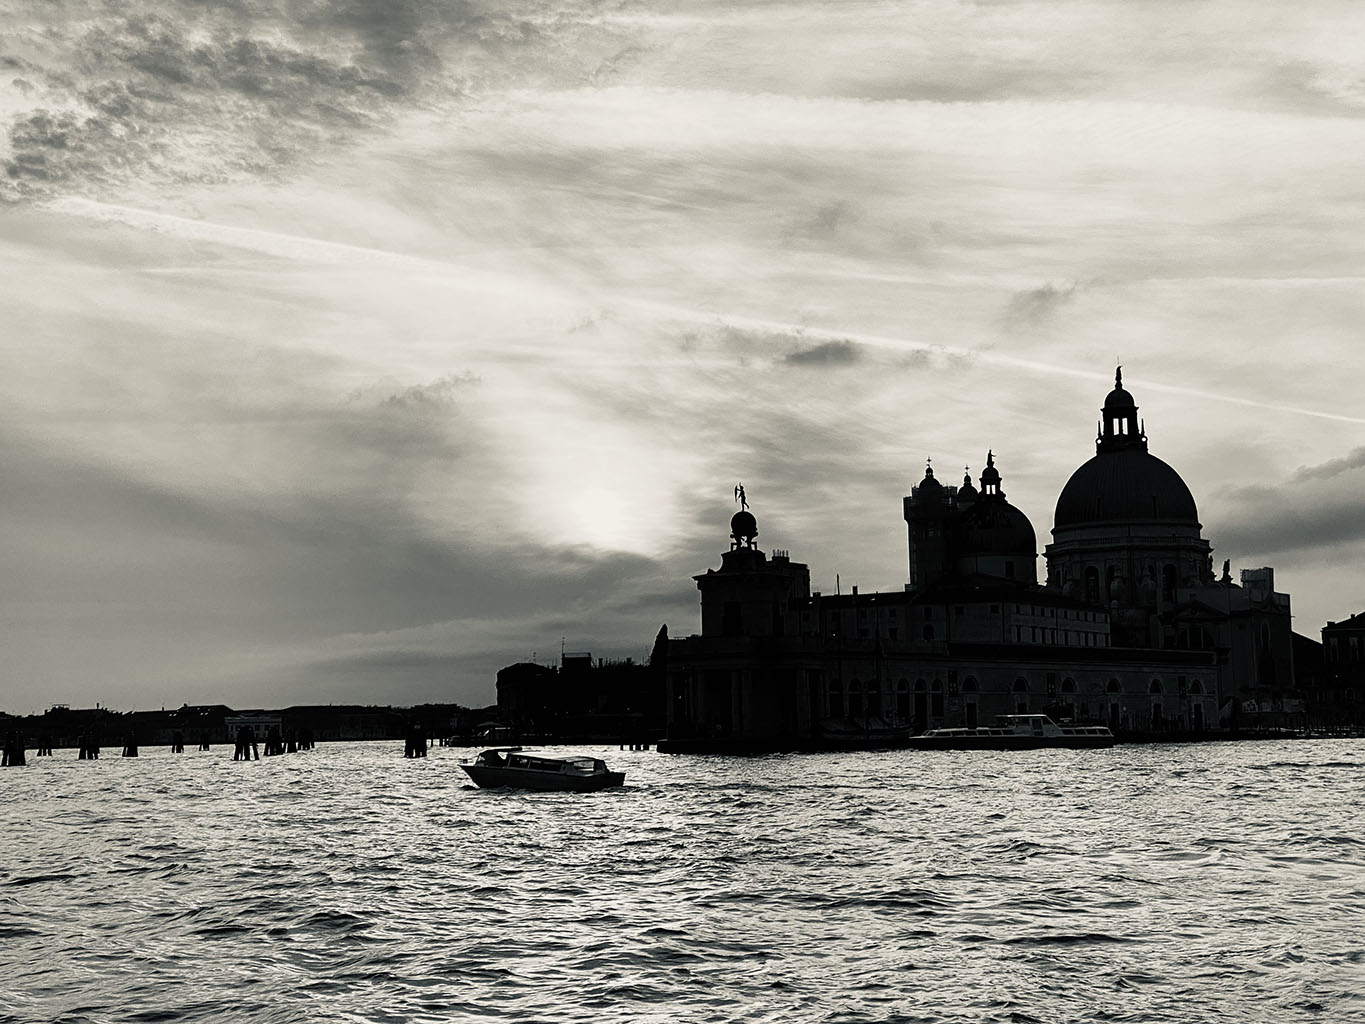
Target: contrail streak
point(977, 355)
point(299, 247)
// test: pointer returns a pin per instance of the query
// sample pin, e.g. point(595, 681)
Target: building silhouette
point(583, 700)
point(1131, 628)
point(1332, 674)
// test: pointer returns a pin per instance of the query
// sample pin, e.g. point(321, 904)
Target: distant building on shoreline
point(61, 726)
point(582, 700)
point(1131, 629)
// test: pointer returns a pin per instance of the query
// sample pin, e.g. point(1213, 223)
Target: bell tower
point(929, 519)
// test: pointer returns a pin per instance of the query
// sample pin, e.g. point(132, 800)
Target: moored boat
point(511, 767)
point(1016, 732)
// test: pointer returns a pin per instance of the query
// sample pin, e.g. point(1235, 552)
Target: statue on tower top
point(739, 497)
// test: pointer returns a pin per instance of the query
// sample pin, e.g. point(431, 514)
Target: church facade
point(1127, 629)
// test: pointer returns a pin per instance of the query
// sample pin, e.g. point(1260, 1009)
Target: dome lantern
point(990, 479)
point(1119, 425)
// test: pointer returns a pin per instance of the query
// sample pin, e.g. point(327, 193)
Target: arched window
point(1155, 687)
point(1114, 686)
point(969, 685)
point(936, 698)
point(1021, 685)
point(1068, 685)
point(836, 699)
point(921, 686)
point(1196, 687)
point(903, 699)
point(928, 632)
point(1020, 696)
point(855, 697)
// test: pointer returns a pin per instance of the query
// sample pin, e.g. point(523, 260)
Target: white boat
point(513, 768)
point(1016, 732)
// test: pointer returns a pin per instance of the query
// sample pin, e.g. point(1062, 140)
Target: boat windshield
point(585, 765)
point(558, 765)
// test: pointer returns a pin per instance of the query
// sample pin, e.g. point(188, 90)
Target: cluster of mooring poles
point(277, 741)
point(12, 750)
point(246, 749)
point(13, 747)
point(415, 742)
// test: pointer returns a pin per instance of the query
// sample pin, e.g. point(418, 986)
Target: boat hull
point(486, 777)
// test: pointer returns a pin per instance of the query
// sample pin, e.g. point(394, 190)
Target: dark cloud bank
point(1318, 509)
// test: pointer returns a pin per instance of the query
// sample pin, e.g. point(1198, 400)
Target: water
point(1213, 882)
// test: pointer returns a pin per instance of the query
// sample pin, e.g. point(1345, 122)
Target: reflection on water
point(1214, 882)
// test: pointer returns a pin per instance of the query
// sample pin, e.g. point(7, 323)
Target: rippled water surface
point(1212, 882)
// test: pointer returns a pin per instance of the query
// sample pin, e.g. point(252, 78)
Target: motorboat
point(1016, 732)
point(511, 767)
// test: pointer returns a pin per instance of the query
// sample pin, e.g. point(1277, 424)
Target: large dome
point(1130, 484)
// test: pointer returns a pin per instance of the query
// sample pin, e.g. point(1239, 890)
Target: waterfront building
point(1336, 680)
point(1130, 629)
point(581, 700)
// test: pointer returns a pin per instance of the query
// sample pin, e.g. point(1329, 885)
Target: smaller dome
point(743, 525)
point(1119, 398)
point(930, 481)
point(998, 528)
point(967, 492)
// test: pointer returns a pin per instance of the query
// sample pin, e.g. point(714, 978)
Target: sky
point(353, 350)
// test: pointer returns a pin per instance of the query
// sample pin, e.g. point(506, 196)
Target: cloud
point(1038, 305)
point(829, 353)
point(186, 577)
point(1317, 509)
point(186, 91)
point(439, 394)
point(1350, 462)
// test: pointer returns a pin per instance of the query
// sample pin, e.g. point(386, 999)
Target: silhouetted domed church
point(1126, 532)
point(1132, 628)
